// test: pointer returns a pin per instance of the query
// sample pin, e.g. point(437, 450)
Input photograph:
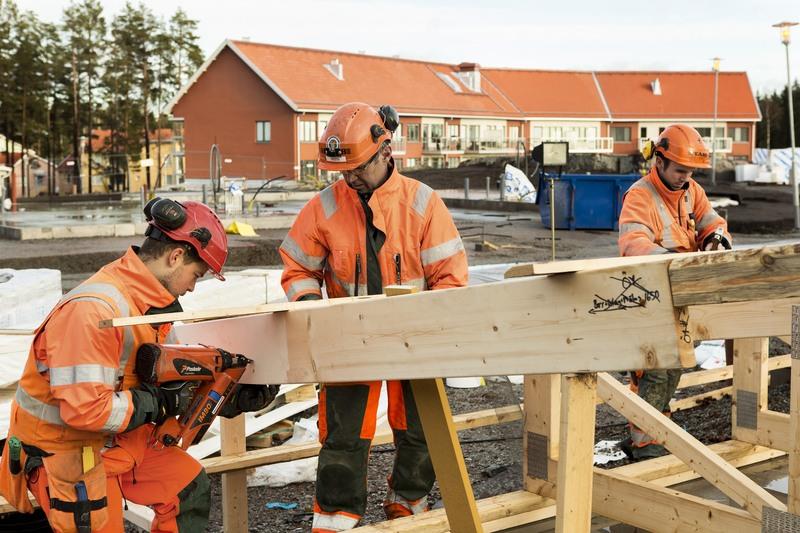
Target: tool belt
point(78, 502)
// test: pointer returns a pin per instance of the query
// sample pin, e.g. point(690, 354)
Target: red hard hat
point(193, 223)
point(682, 143)
point(354, 134)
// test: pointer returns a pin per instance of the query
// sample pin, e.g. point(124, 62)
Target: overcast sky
point(553, 34)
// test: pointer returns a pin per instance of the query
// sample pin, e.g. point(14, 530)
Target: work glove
point(174, 398)
point(248, 398)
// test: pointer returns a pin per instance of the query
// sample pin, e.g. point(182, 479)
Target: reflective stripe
point(658, 250)
point(107, 289)
point(37, 408)
point(328, 201)
point(85, 373)
point(629, 227)
point(311, 262)
point(442, 251)
point(640, 439)
point(334, 521)
point(421, 199)
point(119, 408)
point(709, 218)
point(668, 240)
point(41, 367)
point(415, 506)
point(302, 285)
point(172, 338)
point(349, 287)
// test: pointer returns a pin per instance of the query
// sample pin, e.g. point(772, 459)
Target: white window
point(513, 132)
point(263, 131)
point(308, 131)
point(411, 162)
point(740, 135)
point(621, 133)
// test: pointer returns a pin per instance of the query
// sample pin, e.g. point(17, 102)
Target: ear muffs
point(165, 213)
point(648, 150)
point(377, 132)
point(389, 117)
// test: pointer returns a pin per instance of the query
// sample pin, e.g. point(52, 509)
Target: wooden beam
point(658, 509)
point(716, 471)
point(793, 502)
point(616, 319)
point(234, 484)
point(581, 265)
point(773, 430)
point(518, 508)
point(750, 377)
point(290, 452)
point(691, 402)
point(764, 318)
point(574, 485)
point(446, 455)
point(542, 395)
point(736, 276)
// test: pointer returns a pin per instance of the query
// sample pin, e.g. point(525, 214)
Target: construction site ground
point(493, 454)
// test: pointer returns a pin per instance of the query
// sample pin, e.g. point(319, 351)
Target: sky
point(533, 34)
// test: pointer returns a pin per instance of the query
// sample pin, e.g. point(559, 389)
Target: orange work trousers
point(139, 473)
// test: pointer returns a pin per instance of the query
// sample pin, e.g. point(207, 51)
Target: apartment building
point(264, 106)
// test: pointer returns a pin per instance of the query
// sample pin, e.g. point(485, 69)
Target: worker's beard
point(168, 281)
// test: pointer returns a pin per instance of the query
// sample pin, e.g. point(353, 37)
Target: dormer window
point(336, 68)
point(655, 85)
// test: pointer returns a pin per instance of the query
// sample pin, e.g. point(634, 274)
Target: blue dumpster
point(585, 201)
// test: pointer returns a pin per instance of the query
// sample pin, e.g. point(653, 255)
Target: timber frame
point(564, 330)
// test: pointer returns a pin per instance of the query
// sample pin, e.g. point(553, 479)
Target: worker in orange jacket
point(83, 418)
point(373, 228)
point(664, 212)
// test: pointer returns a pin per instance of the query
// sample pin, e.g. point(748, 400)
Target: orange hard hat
point(682, 144)
point(354, 134)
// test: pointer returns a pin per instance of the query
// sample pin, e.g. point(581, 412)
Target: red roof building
point(265, 106)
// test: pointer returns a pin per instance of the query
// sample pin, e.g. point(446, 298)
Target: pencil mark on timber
point(683, 322)
point(633, 294)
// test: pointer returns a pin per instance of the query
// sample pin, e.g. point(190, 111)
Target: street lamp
point(715, 68)
point(785, 38)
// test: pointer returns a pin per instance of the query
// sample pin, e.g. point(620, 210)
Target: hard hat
point(682, 144)
point(354, 134)
point(193, 223)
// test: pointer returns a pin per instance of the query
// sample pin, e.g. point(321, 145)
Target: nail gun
point(217, 373)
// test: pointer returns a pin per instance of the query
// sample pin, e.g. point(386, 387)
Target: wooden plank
point(603, 320)
point(446, 455)
point(224, 312)
point(519, 508)
point(490, 509)
point(698, 399)
point(574, 489)
point(542, 397)
point(736, 275)
point(765, 318)
point(793, 502)
point(773, 430)
point(234, 484)
point(580, 265)
point(710, 466)
point(251, 459)
point(658, 509)
point(750, 377)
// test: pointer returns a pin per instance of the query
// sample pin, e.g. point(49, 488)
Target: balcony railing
point(451, 145)
point(398, 145)
point(724, 145)
point(583, 145)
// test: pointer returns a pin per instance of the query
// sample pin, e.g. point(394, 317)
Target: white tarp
point(518, 188)
point(26, 296)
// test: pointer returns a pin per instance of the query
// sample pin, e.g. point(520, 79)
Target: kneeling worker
point(81, 421)
point(664, 212)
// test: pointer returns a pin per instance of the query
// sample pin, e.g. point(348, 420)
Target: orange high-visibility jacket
point(422, 247)
point(74, 388)
point(656, 220)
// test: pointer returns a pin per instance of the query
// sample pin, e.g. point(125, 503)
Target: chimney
point(655, 85)
point(470, 75)
point(335, 68)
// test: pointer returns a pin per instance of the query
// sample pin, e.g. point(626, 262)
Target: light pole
point(785, 38)
point(715, 68)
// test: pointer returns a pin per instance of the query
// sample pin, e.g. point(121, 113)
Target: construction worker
point(83, 419)
point(373, 228)
point(664, 212)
